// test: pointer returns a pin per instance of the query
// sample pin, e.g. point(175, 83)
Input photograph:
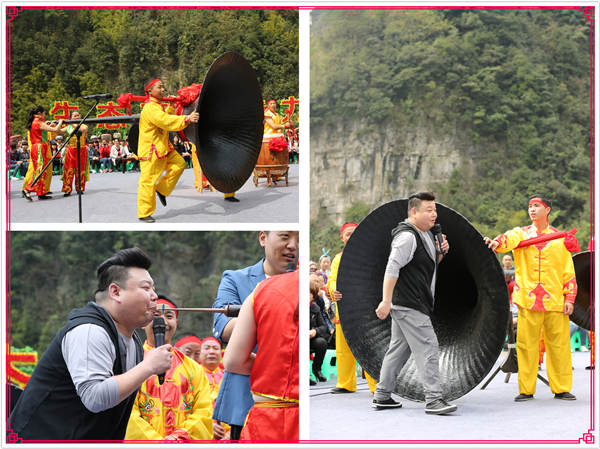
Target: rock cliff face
point(376, 165)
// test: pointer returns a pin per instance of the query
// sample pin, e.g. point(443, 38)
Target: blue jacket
point(234, 288)
point(235, 399)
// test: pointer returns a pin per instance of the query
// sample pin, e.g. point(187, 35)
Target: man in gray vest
point(408, 294)
point(84, 385)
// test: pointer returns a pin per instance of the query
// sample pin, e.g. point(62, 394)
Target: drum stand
point(509, 365)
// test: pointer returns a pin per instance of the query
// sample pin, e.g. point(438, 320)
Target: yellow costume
point(544, 280)
point(181, 406)
point(268, 131)
point(156, 155)
point(346, 362)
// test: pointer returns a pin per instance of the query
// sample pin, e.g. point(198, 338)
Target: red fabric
point(278, 144)
point(150, 84)
point(546, 237)
point(36, 150)
point(275, 370)
point(35, 133)
point(537, 200)
point(347, 225)
point(104, 151)
point(186, 340)
point(70, 168)
point(272, 423)
point(211, 338)
point(571, 243)
point(166, 302)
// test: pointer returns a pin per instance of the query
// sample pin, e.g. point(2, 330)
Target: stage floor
point(112, 198)
point(489, 414)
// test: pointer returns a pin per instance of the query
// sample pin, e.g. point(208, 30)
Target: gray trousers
point(412, 332)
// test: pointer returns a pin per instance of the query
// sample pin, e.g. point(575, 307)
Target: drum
point(271, 164)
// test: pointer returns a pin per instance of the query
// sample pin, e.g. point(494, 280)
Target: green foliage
point(54, 272)
point(514, 84)
point(66, 54)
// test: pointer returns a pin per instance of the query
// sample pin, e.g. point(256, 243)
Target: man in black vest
point(408, 294)
point(84, 385)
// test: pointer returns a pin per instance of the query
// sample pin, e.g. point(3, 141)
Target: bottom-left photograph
point(139, 336)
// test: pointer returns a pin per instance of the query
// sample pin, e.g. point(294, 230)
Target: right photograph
point(452, 225)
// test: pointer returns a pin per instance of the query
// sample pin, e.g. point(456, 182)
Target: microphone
point(291, 266)
point(158, 328)
point(98, 97)
point(437, 233)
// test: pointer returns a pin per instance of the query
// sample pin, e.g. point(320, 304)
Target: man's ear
point(262, 238)
point(114, 292)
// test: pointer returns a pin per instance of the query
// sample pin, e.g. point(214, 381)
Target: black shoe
point(439, 407)
point(319, 376)
point(380, 404)
point(312, 382)
point(523, 397)
point(26, 195)
point(162, 198)
point(337, 390)
point(67, 194)
point(44, 197)
point(566, 396)
point(232, 199)
point(148, 219)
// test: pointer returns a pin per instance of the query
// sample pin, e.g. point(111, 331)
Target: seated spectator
point(179, 409)
point(94, 156)
point(115, 155)
point(127, 156)
point(318, 333)
point(325, 304)
point(18, 162)
point(105, 159)
point(312, 266)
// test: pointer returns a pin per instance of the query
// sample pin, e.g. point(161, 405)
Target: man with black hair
point(408, 294)
point(545, 290)
point(160, 165)
point(84, 385)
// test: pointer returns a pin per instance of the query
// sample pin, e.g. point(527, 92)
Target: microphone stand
point(75, 131)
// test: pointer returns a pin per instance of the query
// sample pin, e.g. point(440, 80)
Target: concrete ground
point(112, 198)
point(486, 416)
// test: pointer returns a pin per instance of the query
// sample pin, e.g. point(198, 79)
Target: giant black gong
point(471, 310)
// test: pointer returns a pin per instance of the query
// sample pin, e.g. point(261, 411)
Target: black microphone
point(291, 266)
point(437, 233)
point(98, 97)
point(158, 328)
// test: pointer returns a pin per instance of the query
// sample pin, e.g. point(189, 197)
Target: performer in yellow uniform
point(545, 291)
point(155, 152)
point(346, 362)
point(179, 409)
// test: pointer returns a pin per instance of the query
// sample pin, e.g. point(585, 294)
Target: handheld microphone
point(291, 266)
point(98, 97)
point(158, 328)
point(437, 233)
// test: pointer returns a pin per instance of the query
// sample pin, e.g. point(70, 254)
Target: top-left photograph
point(144, 115)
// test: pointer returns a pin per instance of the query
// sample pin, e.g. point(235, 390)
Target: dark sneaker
point(337, 390)
point(380, 404)
point(232, 199)
point(148, 219)
point(566, 396)
point(162, 198)
point(312, 382)
point(439, 407)
point(523, 397)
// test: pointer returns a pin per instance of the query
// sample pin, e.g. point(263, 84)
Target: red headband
point(209, 339)
point(537, 200)
point(346, 226)
point(188, 339)
point(151, 83)
point(168, 303)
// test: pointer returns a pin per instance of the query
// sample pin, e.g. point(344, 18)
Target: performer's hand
point(492, 244)
point(383, 309)
point(337, 296)
point(218, 430)
point(568, 308)
point(159, 359)
point(445, 244)
point(194, 117)
point(312, 333)
point(170, 437)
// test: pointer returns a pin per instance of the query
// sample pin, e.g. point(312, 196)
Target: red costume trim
point(151, 83)
point(546, 237)
point(347, 225)
point(167, 303)
point(537, 200)
point(209, 339)
point(188, 339)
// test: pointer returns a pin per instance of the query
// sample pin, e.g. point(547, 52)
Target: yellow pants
point(152, 180)
point(558, 350)
point(346, 364)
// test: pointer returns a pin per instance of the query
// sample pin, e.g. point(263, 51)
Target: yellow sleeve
point(138, 428)
point(569, 279)
point(509, 240)
point(163, 120)
point(332, 278)
point(198, 424)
